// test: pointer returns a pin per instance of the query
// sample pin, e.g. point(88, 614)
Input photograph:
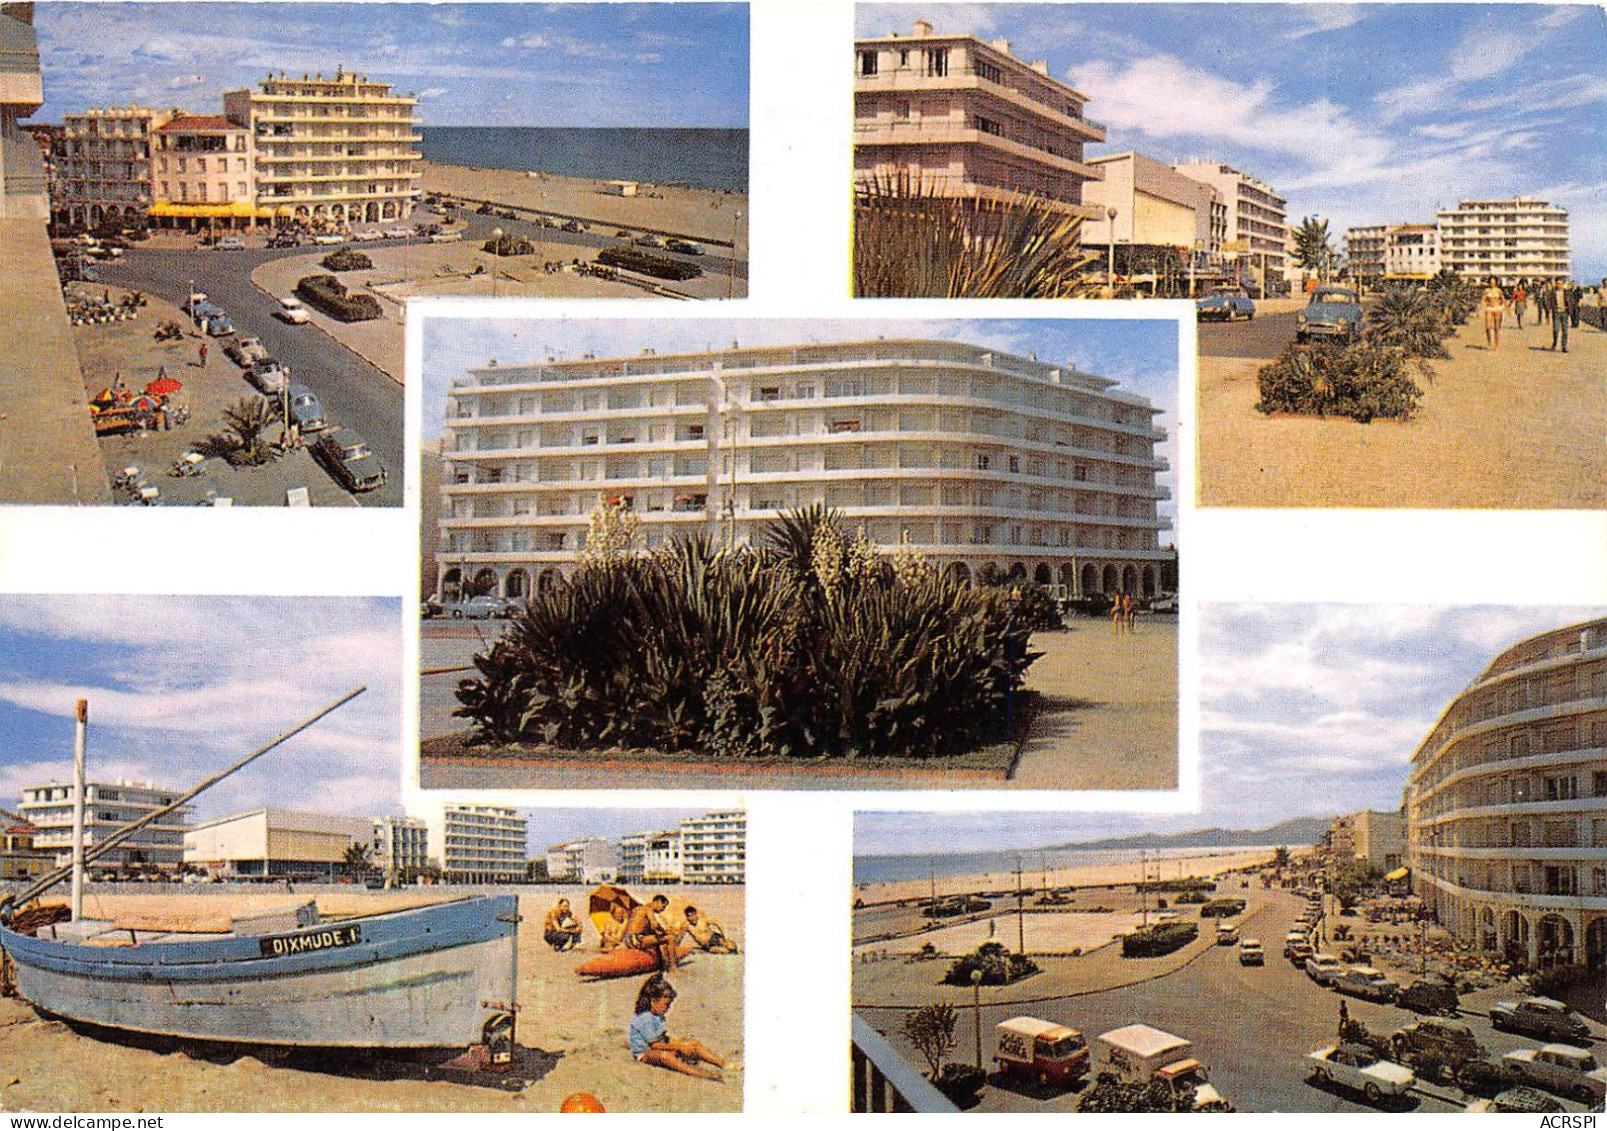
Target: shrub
point(1192, 897)
point(1551, 981)
point(644, 263)
point(345, 259)
point(241, 443)
point(1162, 938)
point(1111, 1093)
point(1328, 379)
point(998, 966)
point(1411, 320)
point(1221, 908)
point(507, 245)
point(931, 1030)
point(328, 294)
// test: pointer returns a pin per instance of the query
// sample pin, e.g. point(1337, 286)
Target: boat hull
point(426, 978)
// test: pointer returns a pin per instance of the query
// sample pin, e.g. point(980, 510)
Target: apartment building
point(1512, 239)
point(203, 171)
point(1257, 217)
point(1372, 835)
point(267, 843)
point(971, 456)
point(1364, 250)
point(1506, 803)
point(20, 861)
point(400, 847)
point(1411, 251)
point(714, 848)
point(590, 860)
point(650, 857)
point(108, 806)
point(103, 165)
point(965, 118)
point(336, 150)
point(478, 844)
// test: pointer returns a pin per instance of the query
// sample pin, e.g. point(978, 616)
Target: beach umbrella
point(147, 404)
point(604, 898)
point(164, 386)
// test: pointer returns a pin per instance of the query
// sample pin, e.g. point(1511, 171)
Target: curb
point(343, 345)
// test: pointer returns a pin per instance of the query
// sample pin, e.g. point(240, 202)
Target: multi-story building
point(478, 844)
point(1257, 217)
point(265, 843)
point(1512, 239)
point(203, 169)
point(590, 860)
point(1372, 835)
point(108, 806)
point(20, 860)
point(1506, 803)
point(1149, 209)
point(24, 184)
point(971, 456)
point(714, 848)
point(964, 118)
point(104, 164)
point(650, 857)
point(400, 847)
point(1364, 251)
point(337, 150)
point(1411, 251)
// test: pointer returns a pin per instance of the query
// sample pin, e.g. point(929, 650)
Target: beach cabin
point(619, 188)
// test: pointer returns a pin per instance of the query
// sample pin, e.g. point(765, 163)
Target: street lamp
point(731, 275)
point(496, 260)
point(976, 1013)
point(1110, 249)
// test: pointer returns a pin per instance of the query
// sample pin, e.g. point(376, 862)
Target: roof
point(191, 123)
point(1035, 1027)
point(1143, 1040)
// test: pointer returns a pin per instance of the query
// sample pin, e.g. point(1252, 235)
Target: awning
point(1398, 874)
point(236, 209)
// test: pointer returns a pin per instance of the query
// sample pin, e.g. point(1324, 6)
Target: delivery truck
point(1041, 1051)
point(1141, 1054)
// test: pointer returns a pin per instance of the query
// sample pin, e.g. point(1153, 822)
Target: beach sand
point(574, 1032)
point(703, 215)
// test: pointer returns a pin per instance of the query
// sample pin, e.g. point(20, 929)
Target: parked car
point(1227, 934)
point(1251, 954)
point(200, 308)
point(329, 238)
point(368, 235)
point(446, 237)
point(231, 243)
point(399, 232)
point(1427, 996)
point(1435, 1048)
point(1292, 939)
point(1041, 1051)
point(1224, 306)
point(1324, 969)
point(1166, 603)
point(292, 311)
point(483, 607)
point(1299, 953)
point(1368, 983)
point(1527, 1101)
point(306, 411)
point(648, 239)
point(244, 351)
point(268, 376)
point(1357, 1066)
point(1563, 1069)
point(685, 247)
point(1540, 1017)
point(285, 239)
point(1331, 312)
point(349, 459)
point(431, 607)
point(219, 326)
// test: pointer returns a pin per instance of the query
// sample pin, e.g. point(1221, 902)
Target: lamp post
point(496, 258)
point(976, 1013)
point(731, 275)
point(1110, 249)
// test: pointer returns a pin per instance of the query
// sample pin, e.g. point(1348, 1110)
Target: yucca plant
point(1410, 320)
point(910, 241)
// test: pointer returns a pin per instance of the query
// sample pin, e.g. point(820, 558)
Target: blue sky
point(181, 687)
point(1140, 354)
point(1359, 113)
point(1305, 710)
point(470, 64)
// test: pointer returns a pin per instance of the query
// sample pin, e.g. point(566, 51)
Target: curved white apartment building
point(1506, 803)
point(970, 455)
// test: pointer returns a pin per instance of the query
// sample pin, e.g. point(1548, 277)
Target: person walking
point(1574, 302)
point(203, 355)
point(1520, 302)
point(1559, 315)
point(1495, 301)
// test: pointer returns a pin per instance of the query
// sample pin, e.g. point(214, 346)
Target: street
point(1263, 337)
point(1251, 1026)
point(354, 393)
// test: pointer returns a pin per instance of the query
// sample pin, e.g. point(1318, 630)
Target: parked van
point(1041, 1051)
point(1141, 1053)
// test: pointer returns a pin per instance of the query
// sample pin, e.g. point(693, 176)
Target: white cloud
point(1325, 18)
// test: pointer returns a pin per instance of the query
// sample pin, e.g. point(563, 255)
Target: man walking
point(1558, 304)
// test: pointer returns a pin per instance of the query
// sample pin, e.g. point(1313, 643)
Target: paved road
point(1261, 337)
point(478, 228)
point(1251, 1025)
point(353, 392)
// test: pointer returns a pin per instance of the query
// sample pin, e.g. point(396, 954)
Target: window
point(1015, 464)
point(1562, 788)
point(867, 62)
point(845, 426)
point(200, 166)
point(982, 461)
point(937, 62)
point(989, 126)
point(989, 71)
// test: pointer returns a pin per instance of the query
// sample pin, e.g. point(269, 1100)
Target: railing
point(883, 1082)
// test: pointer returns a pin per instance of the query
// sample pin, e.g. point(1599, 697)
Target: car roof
point(1035, 1027)
point(297, 389)
point(1143, 1040)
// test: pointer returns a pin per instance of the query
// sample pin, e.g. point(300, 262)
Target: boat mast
point(101, 848)
point(78, 809)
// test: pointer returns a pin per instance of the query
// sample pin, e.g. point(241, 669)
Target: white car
point(446, 237)
point(292, 311)
point(1324, 969)
point(368, 235)
point(328, 238)
point(398, 233)
point(1563, 1069)
point(1356, 1066)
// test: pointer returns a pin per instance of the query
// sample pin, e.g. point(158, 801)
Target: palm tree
point(911, 242)
point(1312, 250)
point(356, 861)
point(241, 442)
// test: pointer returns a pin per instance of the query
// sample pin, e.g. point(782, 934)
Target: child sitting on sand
point(651, 1042)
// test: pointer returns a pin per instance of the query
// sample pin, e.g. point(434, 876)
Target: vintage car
point(1251, 953)
point(349, 459)
point(1539, 1017)
point(1367, 983)
point(244, 351)
point(268, 376)
point(1041, 1051)
point(1357, 1066)
point(1324, 969)
point(1434, 1047)
point(1562, 1069)
point(292, 310)
point(1224, 306)
point(1332, 312)
point(306, 411)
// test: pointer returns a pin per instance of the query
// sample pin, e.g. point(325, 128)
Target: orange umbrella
point(164, 386)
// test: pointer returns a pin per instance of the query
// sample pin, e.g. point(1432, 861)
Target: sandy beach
point(704, 215)
point(573, 1034)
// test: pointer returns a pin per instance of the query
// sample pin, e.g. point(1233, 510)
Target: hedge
point(658, 266)
point(508, 245)
point(345, 259)
point(328, 294)
point(1222, 909)
point(1163, 938)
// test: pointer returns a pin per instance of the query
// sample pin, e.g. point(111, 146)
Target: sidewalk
point(1516, 427)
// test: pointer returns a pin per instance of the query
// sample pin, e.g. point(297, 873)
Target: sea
point(1033, 862)
point(698, 157)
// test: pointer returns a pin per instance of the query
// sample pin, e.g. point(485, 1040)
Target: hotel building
point(20, 861)
point(651, 857)
point(478, 844)
point(103, 165)
point(339, 150)
point(108, 806)
point(400, 847)
point(1364, 249)
point(1371, 835)
point(268, 843)
point(714, 848)
point(964, 118)
point(1411, 251)
point(203, 169)
point(971, 456)
point(590, 860)
point(1257, 217)
point(1511, 239)
point(1506, 804)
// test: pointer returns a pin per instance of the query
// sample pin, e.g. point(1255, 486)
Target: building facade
point(714, 848)
point(108, 806)
point(339, 150)
point(204, 172)
point(104, 165)
point(1257, 216)
point(1157, 211)
point(400, 848)
point(1411, 251)
point(20, 860)
point(269, 843)
point(1372, 835)
point(478, 844)
point(964, 118)
point(24, 183)
point(1506, 804)
point(1512, 239)
point(971, 456)
point(1364, 251)
point(589, 860)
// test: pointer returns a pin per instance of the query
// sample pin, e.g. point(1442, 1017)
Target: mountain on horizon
point(1296, 830)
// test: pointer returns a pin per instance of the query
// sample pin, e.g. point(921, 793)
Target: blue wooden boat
point(441, 976)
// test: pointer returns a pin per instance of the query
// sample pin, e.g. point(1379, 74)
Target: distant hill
point(1298, 830)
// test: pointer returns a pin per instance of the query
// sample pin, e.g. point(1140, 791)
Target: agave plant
point(910, 241)
point(1407, 319)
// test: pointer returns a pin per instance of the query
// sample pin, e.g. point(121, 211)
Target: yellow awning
point(236, 209)
point(1398, 874)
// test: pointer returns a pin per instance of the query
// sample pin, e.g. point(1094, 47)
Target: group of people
point(646, 927)
point(1123, 612)
point(1556, 302)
